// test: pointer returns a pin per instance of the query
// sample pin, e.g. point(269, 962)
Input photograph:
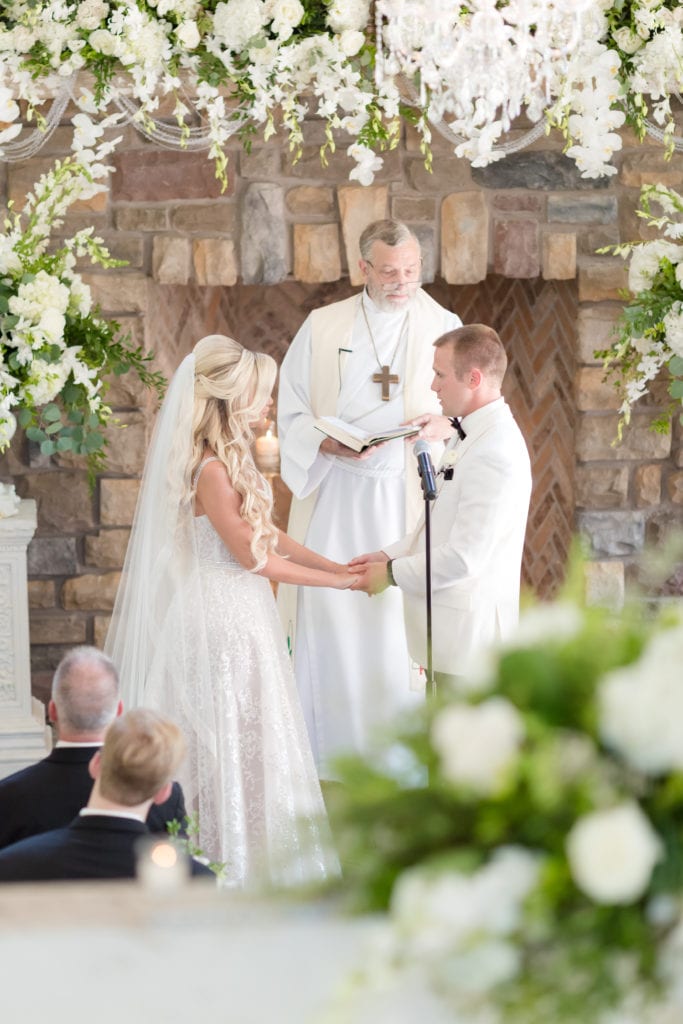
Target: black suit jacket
point(50, 793)
point(94, 846)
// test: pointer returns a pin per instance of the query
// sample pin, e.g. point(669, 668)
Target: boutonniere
point(447, 463)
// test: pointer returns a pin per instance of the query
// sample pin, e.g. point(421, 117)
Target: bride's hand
point(343, 580)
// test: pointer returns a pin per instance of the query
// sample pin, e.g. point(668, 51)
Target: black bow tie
point(455, 422)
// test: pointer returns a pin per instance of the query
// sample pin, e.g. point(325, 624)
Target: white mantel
point(24, 736)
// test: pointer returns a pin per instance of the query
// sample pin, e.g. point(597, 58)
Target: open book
point(355, 437)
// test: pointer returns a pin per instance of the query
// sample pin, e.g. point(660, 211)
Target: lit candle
point(161, 866)
point(267, 448)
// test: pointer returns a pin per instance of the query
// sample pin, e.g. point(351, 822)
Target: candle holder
point(267, 449)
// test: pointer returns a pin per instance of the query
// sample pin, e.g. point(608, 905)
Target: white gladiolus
point(612, 853)
point(477, 744)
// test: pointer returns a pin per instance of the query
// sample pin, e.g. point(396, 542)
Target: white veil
point(157, 636)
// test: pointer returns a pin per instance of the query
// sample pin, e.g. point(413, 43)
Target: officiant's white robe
point(478, 525)
point(350, 655)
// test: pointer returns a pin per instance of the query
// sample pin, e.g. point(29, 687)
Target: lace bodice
point(211, 551)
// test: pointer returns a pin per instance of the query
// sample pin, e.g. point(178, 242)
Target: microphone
point(425, 468)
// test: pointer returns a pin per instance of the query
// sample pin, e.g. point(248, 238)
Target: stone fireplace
point(512, 245)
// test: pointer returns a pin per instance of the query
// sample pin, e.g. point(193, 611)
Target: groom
point(478, 518)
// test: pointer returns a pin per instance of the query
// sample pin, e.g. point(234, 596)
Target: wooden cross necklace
point(385, 377)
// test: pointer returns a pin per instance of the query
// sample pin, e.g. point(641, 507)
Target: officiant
point(368, 361)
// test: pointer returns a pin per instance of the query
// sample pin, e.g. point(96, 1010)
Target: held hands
point(370, 573)
point(433, 427)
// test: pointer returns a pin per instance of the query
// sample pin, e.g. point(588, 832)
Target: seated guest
point(133, 769)
point(47, 795)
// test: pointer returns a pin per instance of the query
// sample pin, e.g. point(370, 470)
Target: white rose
point(187, 33)
point(627, 40)
point(477, 744)
point(286, 15)
point(90, 13)
point(103, 41)
point(612, 853)
point(351, 42)
point(52, 324)
point(348, 14)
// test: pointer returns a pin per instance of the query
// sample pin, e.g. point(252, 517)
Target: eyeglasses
point(396, 274)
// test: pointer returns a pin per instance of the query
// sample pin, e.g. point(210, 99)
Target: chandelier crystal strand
point(481, 66)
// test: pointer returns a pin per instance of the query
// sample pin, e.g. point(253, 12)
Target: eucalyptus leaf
point(54, 428)
point(24, 417)
point(35, 434)
point(48, 447)
point(51, 413)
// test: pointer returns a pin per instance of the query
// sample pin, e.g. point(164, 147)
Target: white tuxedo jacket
point(478, 522)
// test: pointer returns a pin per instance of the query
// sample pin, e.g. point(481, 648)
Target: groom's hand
point(371, 575)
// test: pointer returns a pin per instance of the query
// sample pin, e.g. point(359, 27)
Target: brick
point(631, 226)
point(647, 486)
point(600, 486)
point(317, 256)
point(205, 218)
point(262, 164)
point(596, 330)
point(447, 173)
point(425, 235)
point(413, 208)
point(649, 168)
point(519, 202)
point(129, 248)
point(119, 292)
point(604, 584)
point(602, 279)
point(535, 170)
point(52, 556)
point(593, 392)
point(41, 594)
point(310, 200)
point(590, 239)
point(155, 175)
point(358, 208)
point(674, 486)
point(588, 209)
point(65, 504)
point(559, 257)
point(338, 166)
point(117, 501)
point(107, 549)
point(516, 248)
point(100, 629)
point(215, 261)
point(464, 238)
point(141, 218)
point(90, 593)
point(613, 533)
point(596, 439)
point(263, 243)
point(57, 629)
point(23, 175)
point(127, 439)
point(171, 259)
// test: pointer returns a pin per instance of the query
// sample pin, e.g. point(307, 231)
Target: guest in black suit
point(47, 795)
point(133, 769)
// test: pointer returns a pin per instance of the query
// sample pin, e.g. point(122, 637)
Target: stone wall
point(529, 216)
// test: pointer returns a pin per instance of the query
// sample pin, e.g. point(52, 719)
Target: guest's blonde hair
point(141, 752)
point(232, 385)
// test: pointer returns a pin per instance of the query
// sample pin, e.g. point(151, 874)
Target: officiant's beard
point(390, 298)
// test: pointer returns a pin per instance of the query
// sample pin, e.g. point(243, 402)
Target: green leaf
point(51, 413)
point(65, 444)
point(53, 428)
point(676, 388)
point(676, 366)
point(93, 441)
point(24, 417)
point(75, 416)
point(48, 447)
point(35, 434)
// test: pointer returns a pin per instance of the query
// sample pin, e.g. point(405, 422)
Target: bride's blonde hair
point(231, 387)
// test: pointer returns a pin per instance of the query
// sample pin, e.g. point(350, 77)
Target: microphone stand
point(429, 494)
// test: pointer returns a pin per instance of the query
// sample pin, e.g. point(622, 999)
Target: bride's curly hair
point(231, 387)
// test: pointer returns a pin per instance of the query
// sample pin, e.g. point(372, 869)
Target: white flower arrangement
point(55, 350)
point(9, 501)
point(263, 64)
point(650, 330)
point(528, 855)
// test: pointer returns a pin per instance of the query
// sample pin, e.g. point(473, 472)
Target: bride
point(195, 632)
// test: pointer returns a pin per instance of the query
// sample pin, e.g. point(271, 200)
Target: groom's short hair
point(476, 345)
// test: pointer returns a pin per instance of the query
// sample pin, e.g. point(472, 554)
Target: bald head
point(85, 695)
